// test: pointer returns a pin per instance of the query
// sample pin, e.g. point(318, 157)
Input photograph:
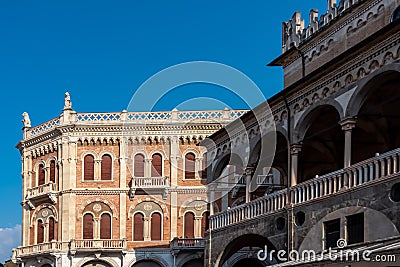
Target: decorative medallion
point(97, 207)
point(147, 207)
point(198, 207)
point(45, 213)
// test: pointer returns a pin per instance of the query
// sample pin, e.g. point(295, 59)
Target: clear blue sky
point(101, 51)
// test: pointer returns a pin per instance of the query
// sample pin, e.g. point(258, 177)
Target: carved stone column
point(347, 126)
point(249, 174)
point(294, 154)
point(147, 229)
point(174, 154)
point(123, 184)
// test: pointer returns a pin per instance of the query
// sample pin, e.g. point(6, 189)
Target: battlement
point(294, 32)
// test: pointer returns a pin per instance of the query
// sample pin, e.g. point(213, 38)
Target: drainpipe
point(290, 226)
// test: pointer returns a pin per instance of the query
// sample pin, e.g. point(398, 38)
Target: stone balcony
point(84, 245)
point(41, 193)
point(73, 246)
point(182, 244)
point(365, 173)
point(150, 185)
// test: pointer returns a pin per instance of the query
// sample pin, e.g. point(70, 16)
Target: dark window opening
point(355, 228)
point(332, 233)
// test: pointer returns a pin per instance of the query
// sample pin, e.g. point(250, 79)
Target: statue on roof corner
point(67, 101)
point(26, 121)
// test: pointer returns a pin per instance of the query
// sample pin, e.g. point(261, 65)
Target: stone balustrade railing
point(358, 174)
point(189, 243)
point(264, 205)
point(74, 245)
point(265, 179)
point(150, 182)
point(378, 167)
point(41, 189)
point(98, 243)
point(39, 248)
point(139, 117)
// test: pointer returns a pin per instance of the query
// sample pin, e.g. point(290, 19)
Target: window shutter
point(42, 179)
point(52, 171)
point(40, 232)
point(88, 226)
point(139, 165)
point(51, 229)
point(156, 226)
point(189, 225)
point(138, 223)
point(189, 166)
point(105, 226)
point(204, 223)
point(156, 162)
point(106, 166)
point(88, 168)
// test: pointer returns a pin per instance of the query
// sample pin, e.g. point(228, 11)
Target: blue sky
point(102, 51)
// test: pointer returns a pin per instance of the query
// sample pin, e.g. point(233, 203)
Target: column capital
point(295, 149)
point(249, 170)
point(348, 124)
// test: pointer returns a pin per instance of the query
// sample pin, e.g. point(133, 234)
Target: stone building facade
point(317, 165)
point(115, 189)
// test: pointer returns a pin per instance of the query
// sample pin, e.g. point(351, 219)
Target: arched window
point(157, 166)
point(138, 224)
point(88, 172)
point(156, 226)
point(138, 165)
point(204, 167)
point(51, 229)
point(41, 175)
point(189, 225)
point(189, 166)
point(396, 14)
point(105, 226)
point(40, 232)
point(106, 167)
point(88, 226)
point(53, 171)
point(204, 223)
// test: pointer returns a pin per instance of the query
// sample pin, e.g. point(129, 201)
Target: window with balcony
point(138, 166)
point(41, 175)
point(88, 226)
point(105, 226)
point(204, 167)
point(88, 170)
point(332, 233)
point(52, 229)
point(40, 232)
point(355, 228)
point(189, 225)
point(156, 226)
point(204, 223)
point(106, 168)
point(190, 165)
point(157, 165)
point(52, 171)
point(138, 226)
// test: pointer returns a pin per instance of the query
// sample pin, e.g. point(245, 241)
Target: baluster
point(394, 159)
point(383, 165)
point(376, 169)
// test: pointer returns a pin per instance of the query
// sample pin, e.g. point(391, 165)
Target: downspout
point(290, 226)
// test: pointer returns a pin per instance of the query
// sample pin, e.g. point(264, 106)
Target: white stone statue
point(26, 121)
point(67, 101)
